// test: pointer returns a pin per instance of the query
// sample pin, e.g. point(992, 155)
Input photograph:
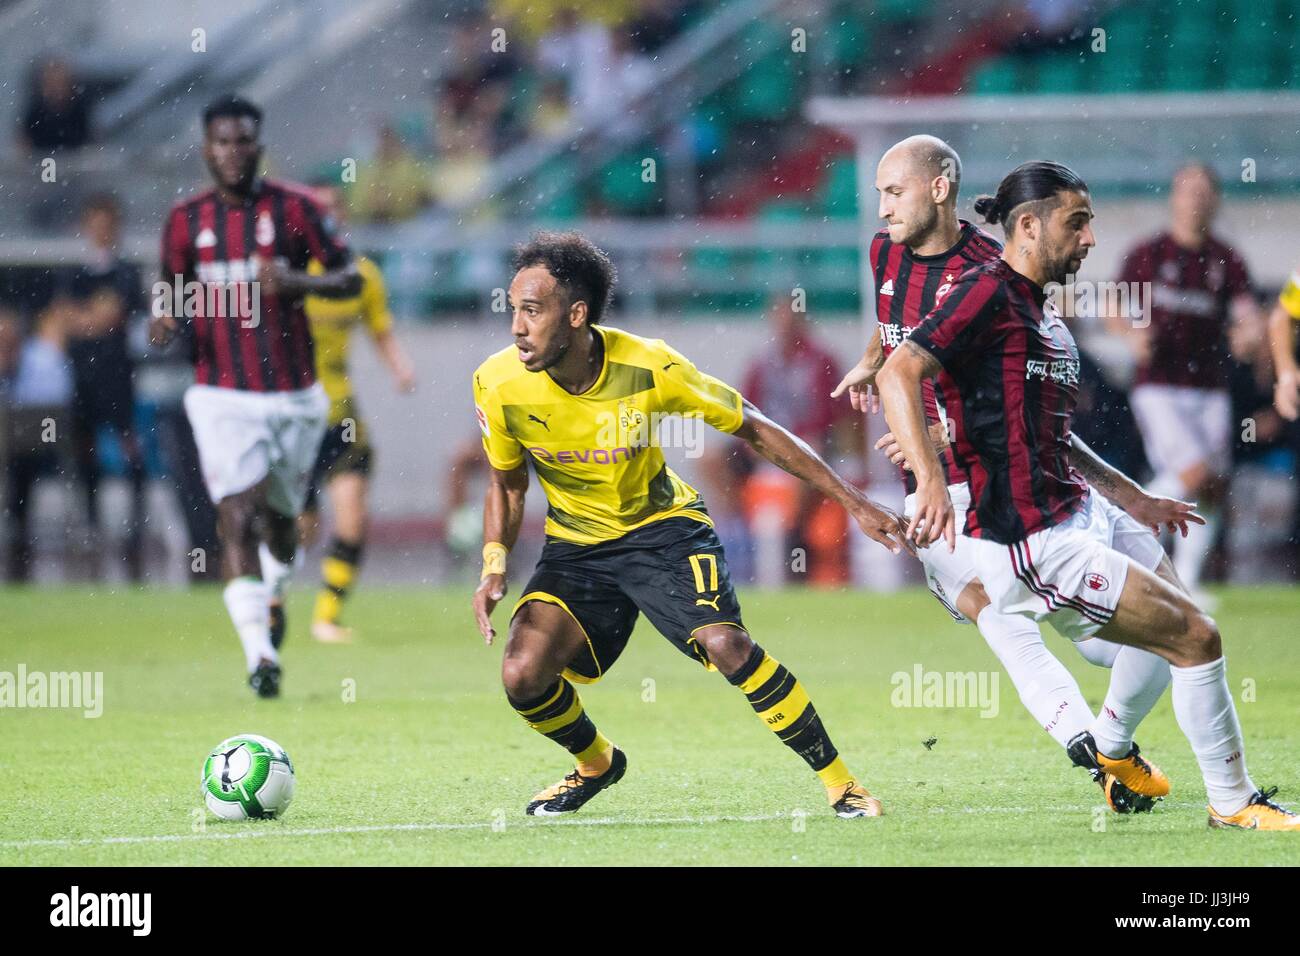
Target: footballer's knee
point(525, 675)
point(1202, 642)
point(728, 646)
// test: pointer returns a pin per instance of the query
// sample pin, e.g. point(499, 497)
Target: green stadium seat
point(998, 75)
point(1059, 73)
point(897, 10)
point(839, 192)
point(621, 185)
point(767, 91)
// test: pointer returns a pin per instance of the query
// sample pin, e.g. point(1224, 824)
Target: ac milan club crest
point(1096, 581)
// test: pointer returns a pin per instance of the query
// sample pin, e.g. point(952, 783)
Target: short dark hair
point(580, 267)
point(232, 105)
point(102, 202)
point(1036, 182)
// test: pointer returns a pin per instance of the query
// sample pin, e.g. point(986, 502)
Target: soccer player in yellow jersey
point(625, 535)
point(1281, 338)
point(343, 465)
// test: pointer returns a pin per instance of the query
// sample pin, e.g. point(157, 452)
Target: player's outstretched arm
point(1154, 511)
point(899, 383)
point(390, 350)
point(860, 381)
point(790, 453)
point(341, 283)
point(503, 513)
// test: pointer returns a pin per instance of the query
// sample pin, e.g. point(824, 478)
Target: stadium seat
point(998, 75)
point(621, 185)
point(839, 192)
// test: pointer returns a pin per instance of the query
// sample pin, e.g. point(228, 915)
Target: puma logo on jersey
point(534, 418)
point(887, 288)
point(713, 603)
point(670, 365)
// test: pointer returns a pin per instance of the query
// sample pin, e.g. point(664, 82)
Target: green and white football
point(247, 777)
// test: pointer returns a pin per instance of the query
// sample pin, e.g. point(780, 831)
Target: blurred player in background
point(625, 535)
point(775, 515)
point(257, 411)
point(1198, 284)
point(108, 294)
point(346, 457)
point(915, 260)
point(1046, 545)
point(1282, 342)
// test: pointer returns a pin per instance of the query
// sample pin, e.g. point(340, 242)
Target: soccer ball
point(247, 777)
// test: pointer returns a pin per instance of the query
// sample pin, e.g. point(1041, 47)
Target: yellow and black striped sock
point(781, 702)
point(558, 714)
point(338, 571)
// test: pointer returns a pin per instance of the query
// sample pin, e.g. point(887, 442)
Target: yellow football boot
point(1133, 770)
point(1260, 814)
point(853, 800)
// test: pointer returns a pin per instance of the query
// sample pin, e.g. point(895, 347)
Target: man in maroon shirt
point(1198, 286)
point(1047, 550)
point(234, 258)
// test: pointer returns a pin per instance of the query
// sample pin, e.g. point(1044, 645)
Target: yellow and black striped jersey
point(332, 322)
point(596, 454)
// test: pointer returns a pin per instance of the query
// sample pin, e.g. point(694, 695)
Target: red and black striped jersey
point(1189, 298)
point(1016, 369)
point(214, 248)
point(906, 288)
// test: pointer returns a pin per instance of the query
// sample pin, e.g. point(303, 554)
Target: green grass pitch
point(428, 765)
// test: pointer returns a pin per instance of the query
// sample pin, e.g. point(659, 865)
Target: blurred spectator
point(463, 160)
point(1262, 494)
point(106, 294)
point(477, 86)
point(161, 377)
point(551, 113)
point(57, 115)
point(793, 532)
point(39, 394)
point(392, 186)
point(581, 51)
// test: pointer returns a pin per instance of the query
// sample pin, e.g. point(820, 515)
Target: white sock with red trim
point(1049, 691)
point(1137, 679)
point(1206, 715)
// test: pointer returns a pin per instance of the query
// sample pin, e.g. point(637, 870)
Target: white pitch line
point(422, 827)
point(380, 828)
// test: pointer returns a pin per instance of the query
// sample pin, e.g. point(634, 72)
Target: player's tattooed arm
point(503, 513)
point(1151, 510)
point(899, 383)
point(860, 381)
point(792, 454)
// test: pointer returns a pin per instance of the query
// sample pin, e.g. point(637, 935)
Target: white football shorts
point(244, 437)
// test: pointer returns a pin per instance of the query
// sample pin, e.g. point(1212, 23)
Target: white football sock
point(1096, 651)
point(1137, 679)
point(1049, 691)
point(1190, 552)
point(274, 571)
point(248, 600)
point(1206, 715)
